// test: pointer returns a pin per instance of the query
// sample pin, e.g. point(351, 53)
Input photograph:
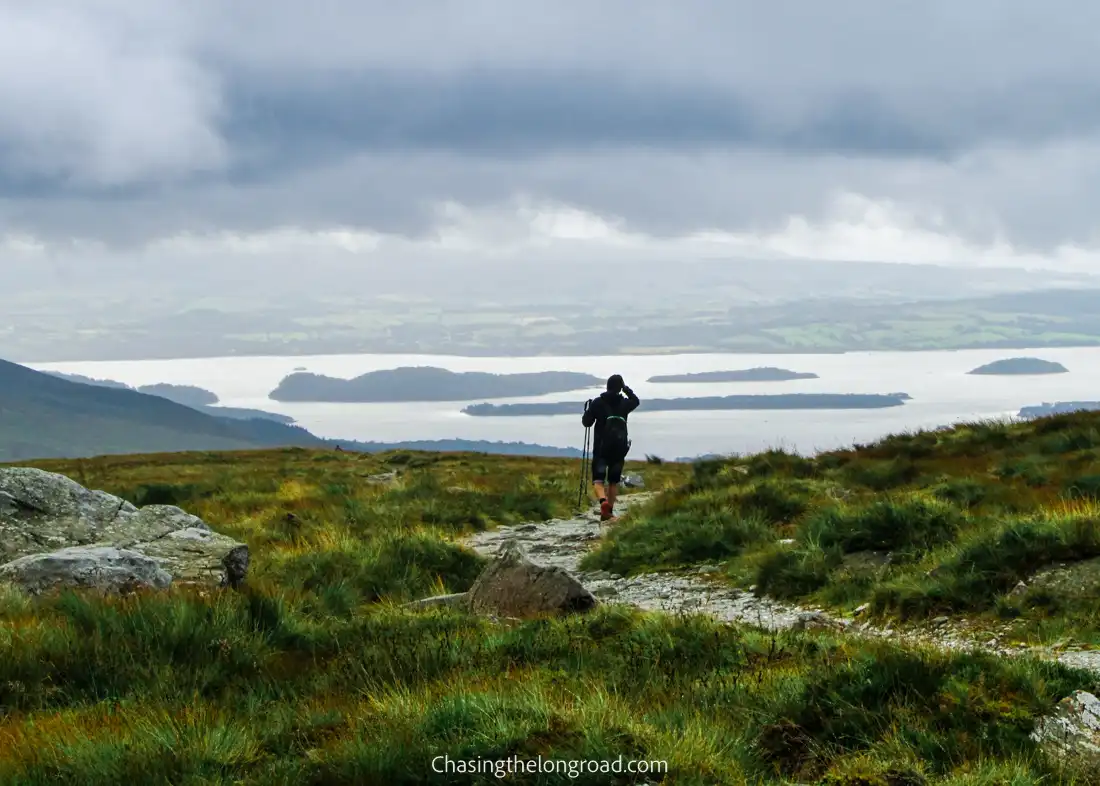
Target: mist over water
point(942, 394)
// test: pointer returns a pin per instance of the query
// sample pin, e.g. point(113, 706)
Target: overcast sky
point(141, 133)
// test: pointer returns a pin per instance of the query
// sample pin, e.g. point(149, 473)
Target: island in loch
point(1019, 367)
point(759, 374)
point(777, 401)
point(427, 383)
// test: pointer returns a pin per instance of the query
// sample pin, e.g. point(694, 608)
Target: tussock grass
point(313, 674)
point(249, 688)
point(947, 521)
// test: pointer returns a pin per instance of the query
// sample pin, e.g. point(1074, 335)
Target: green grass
point(251, 688)
point(915, 525)
point(313, 674)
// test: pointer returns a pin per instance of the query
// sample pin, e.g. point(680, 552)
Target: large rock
point(513, 586)
point(1072, 731)
point(54, 533)
point(104, 568)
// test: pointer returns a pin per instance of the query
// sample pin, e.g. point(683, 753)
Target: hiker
point(610, 442)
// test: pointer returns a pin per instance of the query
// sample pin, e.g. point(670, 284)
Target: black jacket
point(601, 407)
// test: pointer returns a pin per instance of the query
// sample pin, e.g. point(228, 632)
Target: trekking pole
point(584, 471)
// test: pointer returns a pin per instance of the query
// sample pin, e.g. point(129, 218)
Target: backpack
point(614, 442)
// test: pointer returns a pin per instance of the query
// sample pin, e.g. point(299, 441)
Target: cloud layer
point(959, 133)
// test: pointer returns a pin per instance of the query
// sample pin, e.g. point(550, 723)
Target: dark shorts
point(604, 472)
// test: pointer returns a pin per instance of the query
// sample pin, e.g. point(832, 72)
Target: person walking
point(607, 413)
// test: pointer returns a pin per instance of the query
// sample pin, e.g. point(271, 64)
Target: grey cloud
point(1036, 199)
point(131, 121)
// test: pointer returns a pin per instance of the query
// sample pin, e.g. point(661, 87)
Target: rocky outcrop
point(56, 533)
point(105, 568)
point(513, 586)
point(1072, 731)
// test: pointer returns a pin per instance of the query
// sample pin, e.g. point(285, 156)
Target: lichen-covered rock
point(99, 537)
point(199, 556)
point(513, 586)
point(43, 511)
point(103, 568)
point(1072, 732)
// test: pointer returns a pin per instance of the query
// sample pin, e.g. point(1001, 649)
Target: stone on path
point(513, 586)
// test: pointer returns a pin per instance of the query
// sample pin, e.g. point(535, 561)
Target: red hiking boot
point(605, 510)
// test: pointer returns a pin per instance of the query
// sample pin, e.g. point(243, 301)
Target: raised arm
point(632, 401)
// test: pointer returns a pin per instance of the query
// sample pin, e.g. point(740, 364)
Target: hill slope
point(51, 415)
point(310, 675)
point(997, 522)
point(188, 395)
point(44, 416)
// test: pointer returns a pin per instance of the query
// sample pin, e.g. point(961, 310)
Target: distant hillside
point(188, 395)
point(760, 374)
point(426, 383)
point(1021, 367)
point(44, 416)
point(103, 383)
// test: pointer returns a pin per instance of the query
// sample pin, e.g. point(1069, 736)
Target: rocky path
point(563, 542)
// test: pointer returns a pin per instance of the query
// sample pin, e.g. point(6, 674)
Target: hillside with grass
point(51, 415)
point(999, 520)
point(314, 673)
point(42, 415)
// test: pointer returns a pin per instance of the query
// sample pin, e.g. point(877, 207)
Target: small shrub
point(993, 564)
point(905, 527)
point(680, 539)
point(178, 494)
point(1069, 441)
point(1032, 470)
point(965, 492)
point(1085, 487)
point(882, 475)
point(775, 500)
point(794, 572)
point(780, 462)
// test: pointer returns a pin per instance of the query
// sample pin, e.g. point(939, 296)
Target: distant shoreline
point(1047, 409)
point(789, 401)
point(473, 353)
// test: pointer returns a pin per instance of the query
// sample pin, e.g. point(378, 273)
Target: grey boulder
point(513, 586)
point(55, 533)
point(1072, 731)
point(103, 568)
